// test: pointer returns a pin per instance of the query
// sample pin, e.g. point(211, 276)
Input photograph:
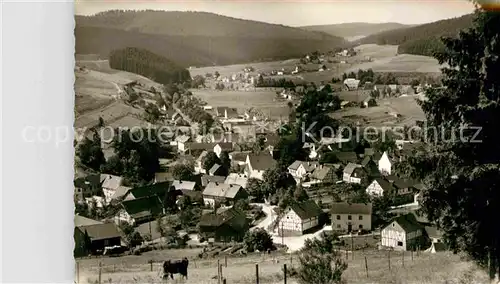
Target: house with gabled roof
point(225, 225)
point(299, 218)
point(257, 164)
point(324, 174)
point(181, 141)
point(110, 184)
point(403, 233)
point(206, 179)
point(379, 187)
point(299, 169)
point(238, 179)
point(156, 189)
point(351, 217)
point(87, 186)
point(354, 173)
point(385, 164)
point(139, 210)
point(184, 185)
point(370, 166)
point(215, 170)
point(92, 236)
point(223, 193)
point(347, 157)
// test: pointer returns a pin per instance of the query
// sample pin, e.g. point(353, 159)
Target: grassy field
point(442, 267)
point(380, 115)
point(263, 100)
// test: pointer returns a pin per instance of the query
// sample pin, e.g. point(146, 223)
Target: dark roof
point(157, 189)
point(206, 179)
point(163, 177)
point(385, 184)
point(366, 161)
point(101, 231)
point(306, 209)
point(321, 172)
point(239, 156)
point(347, 157)
point(349, 169)
point(262, 161)
point(201, 146)
point(88, 182)
point(225, 146)
point(408, 222)
point(216, 220)
point(83, 221)
point(433, 232)
point(351, 208)
point(143, 206)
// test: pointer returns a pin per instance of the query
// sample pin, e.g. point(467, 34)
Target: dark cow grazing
point(171, 267)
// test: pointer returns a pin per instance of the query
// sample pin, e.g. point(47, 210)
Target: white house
point(110, 184)
point(181, 143)
point(257, 164)
point(403, 233)
point(354, 173)
point(299, 169)
point(379, 187)
point(385, 164)
point(351, 217)
point(238, 179)
point(351, 84)
point(299, 218)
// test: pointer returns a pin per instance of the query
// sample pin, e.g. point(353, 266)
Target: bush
point(259, 240)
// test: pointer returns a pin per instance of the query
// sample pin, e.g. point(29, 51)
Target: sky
point(300, 12)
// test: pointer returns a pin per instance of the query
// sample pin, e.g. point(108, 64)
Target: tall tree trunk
point(492, 268)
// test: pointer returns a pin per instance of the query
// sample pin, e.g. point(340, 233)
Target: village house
point(299, 218)
point(354, 173)
point(237, 179)
point(156, 189)
point(226, 225)
point(139, 210)
point(385, 164)
point(379, 187)
point(92, 237)
point(347, 157)
point(206, 179)
point(299, 169)
point(370, 167)
point(350, 217)
point(323, 174)
point(198, 165)
point(86, 187)
point(403, 233)
point(181, 141)
point(257, 164)
point(161, 177)
point(184, 185)
point(217, 148)
point(239, 158)
point(110, 184)
point(223, 193)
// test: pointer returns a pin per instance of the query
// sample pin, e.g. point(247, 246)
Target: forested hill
point(422, 39)
point(148, 64)
point(196, 38)
point(348, 30)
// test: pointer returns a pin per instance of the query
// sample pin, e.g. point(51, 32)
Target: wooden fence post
point(218, 272)
point(100, 271)
point(352, 246)
point(389, 259)
point(77, 272)
point(403, 258)
point(284, 273)
point(366, 267)
point(411, 255)
point(257, 273)
point(151, 264)
point(225, 260)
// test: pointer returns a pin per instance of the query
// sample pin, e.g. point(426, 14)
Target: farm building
point(140, 210)
point(238, 179)
point(206, 179)
point(349, 217)
point(324, 174)
point(223, 193)
point(91, 236)
point(354, 173)
point(403, 233)
point(299, 218)
point(184, 185)
point(224, 226)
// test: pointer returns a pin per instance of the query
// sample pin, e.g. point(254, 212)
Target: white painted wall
point(374, 189)
point(384, 164)
point(341, 221)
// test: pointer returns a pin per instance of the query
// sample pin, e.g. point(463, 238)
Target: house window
point(338, 217)
point(400, 244)
point(338, 226)
point(361, 226)
point(349, 217)
point(360, 217)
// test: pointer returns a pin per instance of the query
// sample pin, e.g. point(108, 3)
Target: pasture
point(263, 100)
point(380, 115)
point(383, 267)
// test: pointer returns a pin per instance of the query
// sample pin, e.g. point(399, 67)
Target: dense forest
point(422, 39)
point(195, 38)
point(148, 64)
point(347, 30)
